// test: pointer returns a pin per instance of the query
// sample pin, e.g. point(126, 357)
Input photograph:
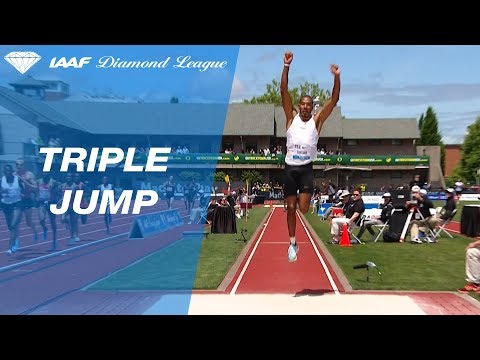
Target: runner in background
point(11, 193)
point(108, 216)
point(48, 193)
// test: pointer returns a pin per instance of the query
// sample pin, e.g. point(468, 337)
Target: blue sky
point(377, 81)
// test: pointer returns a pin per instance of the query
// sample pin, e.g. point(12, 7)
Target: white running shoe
point(292, 252)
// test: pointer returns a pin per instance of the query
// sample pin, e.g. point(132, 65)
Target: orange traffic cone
point(345, 239)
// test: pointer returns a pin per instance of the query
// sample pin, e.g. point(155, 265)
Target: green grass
point(404, 266)
point(430, 267)
point(220, 251)
point(175, 267)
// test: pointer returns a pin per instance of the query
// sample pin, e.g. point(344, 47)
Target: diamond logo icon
point(22, 60)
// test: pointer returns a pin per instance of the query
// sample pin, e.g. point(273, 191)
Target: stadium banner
point(371, 160)
point(89, 122)
point(147, 225)
point(384, 160)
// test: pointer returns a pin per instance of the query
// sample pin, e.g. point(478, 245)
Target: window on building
point(250, 146)
point(31, 92)
point(396, 174)
point(352, 142)
point(373, 142)
point(227, 145)
point(65, 88)
point(367, 174)
point(397, 141)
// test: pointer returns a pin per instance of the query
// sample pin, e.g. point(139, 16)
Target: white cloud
point(267, 57)
point(239, 90)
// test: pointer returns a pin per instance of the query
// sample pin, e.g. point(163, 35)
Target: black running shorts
point(298, 178)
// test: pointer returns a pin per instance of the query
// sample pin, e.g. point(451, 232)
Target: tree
point(430, 135)
point(470, 153)
point(174, 100)
point(272, 94)
point(190, 175)
point(252, 176)
point(220, 176)
point(420, 124)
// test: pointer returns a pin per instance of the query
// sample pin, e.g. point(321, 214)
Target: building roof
point(198, 119)
point(249, 119)
point(380, 129)
point(28, 81)
point(146, 118)
point(42, 109)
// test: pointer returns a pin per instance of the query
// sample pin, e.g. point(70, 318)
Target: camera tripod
point(414, 210)
point(242, 232)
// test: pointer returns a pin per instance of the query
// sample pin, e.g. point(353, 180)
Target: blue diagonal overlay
point(144, 121)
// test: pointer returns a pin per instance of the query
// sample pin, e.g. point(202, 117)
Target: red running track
point(33, 276)
point(266, 269)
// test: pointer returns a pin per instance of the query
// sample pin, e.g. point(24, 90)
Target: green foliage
point(429, 133)
point(219, 176)
point(174, 100)
point(454, 177)
point(470, 158)
point(420, 124)
point(252, 175)
point(190, 175)
point(272, 94)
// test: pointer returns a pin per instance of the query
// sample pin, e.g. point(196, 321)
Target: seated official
point(202, 208)
point(345, 200)
point(446, 211)
point(385, 215)
point(422, 217)
point(352, 214)
point(317, 196)
point(205, 206)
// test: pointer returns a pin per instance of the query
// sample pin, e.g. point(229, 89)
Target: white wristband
point(287, 65)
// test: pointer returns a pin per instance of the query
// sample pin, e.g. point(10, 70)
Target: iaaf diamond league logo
point(22, 60)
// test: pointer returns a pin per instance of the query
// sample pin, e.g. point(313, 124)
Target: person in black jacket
point(446, 211)
point(385, 215)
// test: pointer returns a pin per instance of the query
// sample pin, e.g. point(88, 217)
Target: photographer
point(420, 204)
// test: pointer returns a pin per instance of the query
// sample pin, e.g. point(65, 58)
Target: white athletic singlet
point(11, 193)
point(104, 187)
point(302, 139)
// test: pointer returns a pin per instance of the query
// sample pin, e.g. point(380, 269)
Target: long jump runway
point(266, 270)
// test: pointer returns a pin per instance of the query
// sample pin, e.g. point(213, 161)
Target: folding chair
point(352, 227)
point(368, 214)
point(439, 229)
point(381, 228)
point(202, 219)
